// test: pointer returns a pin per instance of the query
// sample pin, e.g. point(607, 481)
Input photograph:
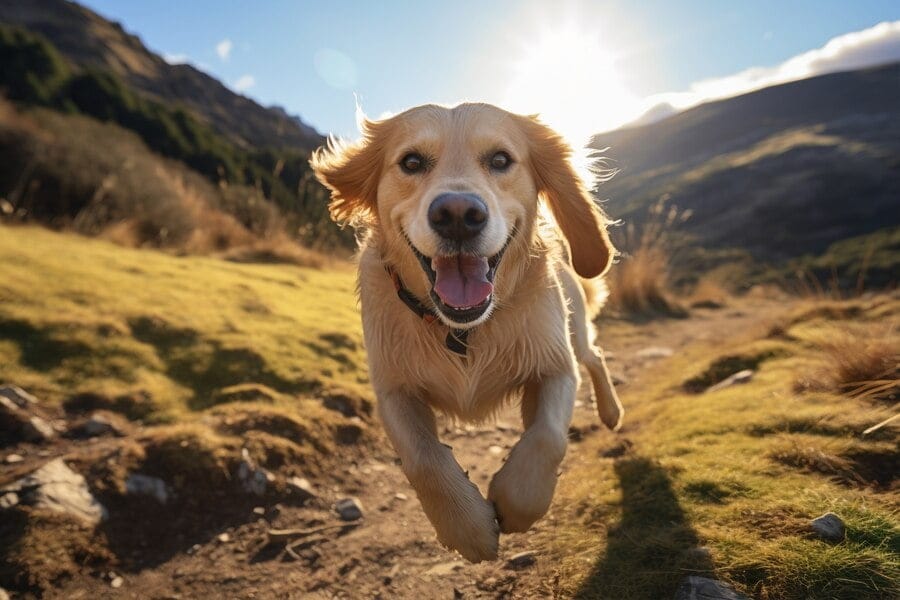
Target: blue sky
point(312, 57)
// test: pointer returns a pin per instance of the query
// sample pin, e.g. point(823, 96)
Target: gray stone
point(349, 509)
point(138, 484)
point(36, 429)
point(695, 587)
point(99, 424)
point(58, 488)
point(301, 487)
point(254, 479)
point(654, 352)
point(738, 378)
point(20, 397)
point(829, 527)
point(521, 560)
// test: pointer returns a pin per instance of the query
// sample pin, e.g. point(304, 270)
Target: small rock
point(100, 424)
point(300, 486)
point(259, 510)
point(37, 429)
point(401, 496)
point(8, 500)
point(695, 587)
point(654, 352)
point(738, 378)
point(496, 450)
point(521, 560)
point(58, 488)
point(223, 538)
point(444, 568)
point(144, 485)
point(12, 459)
point(829, 527)
point(116, 582)
point(349, 509)
point(20, 397)
point(254, 479)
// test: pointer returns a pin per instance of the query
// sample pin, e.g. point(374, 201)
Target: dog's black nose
point(458, 216)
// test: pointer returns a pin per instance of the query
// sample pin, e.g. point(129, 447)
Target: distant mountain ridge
point(779, 172)
point(88, 40)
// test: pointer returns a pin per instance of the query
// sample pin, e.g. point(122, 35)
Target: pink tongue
point(461, 280)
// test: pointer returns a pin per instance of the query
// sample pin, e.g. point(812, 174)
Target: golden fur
point(527, 344)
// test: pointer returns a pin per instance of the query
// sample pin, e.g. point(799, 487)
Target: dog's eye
point(412, 163)
point(500, 161)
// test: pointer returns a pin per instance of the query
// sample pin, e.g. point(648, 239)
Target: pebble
point(401, 496)
point(695, 587)
point(521, 560)
point(829, 527)
point(301, 487)
point(738, 378)
point(145, 485)
point(654, 352)
point(13, 458)
point(116, 582)
point(496, 450)
point(259, 510)
point(223, 538)
point(349, 509)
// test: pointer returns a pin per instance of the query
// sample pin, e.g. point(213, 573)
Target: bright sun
point(570, 79)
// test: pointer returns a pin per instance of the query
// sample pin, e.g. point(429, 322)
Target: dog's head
point(455, 188)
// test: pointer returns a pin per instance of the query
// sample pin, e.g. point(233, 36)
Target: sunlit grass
point(725, 483)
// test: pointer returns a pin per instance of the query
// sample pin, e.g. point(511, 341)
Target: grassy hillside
point(725, 483)
point(81, 315)
point(778, 173)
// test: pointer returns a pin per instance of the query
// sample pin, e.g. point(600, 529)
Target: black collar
point(456, 338)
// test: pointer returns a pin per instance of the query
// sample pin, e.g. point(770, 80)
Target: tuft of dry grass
point(862, 362)
point(97, 179)
point(640, 283)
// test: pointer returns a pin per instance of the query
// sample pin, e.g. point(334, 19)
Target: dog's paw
point(522, 489)
point(471, 529)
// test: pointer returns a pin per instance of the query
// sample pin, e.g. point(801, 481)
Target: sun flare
point(569, 78)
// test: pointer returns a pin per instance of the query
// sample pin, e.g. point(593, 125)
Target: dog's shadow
point(653, 546)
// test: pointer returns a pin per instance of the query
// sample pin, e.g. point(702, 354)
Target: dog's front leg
point(523, 488)
point(463, 519)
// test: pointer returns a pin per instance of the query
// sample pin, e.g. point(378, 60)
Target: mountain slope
point(90, 41)
point(780, 172)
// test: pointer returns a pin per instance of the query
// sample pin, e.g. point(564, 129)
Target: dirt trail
point(393, 552)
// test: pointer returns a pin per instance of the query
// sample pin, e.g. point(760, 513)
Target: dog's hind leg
point(608, 405)
point(582, 335)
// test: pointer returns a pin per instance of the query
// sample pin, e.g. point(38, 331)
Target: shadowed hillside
point(780, 173)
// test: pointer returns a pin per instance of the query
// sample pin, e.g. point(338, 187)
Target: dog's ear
point(578, 216)
point(351, 171)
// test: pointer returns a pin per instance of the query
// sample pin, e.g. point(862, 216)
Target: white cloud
point(176, 59)
point(223, 48)
point(244, 83)
point(877, 45)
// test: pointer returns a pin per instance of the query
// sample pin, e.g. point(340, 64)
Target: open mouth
point(462, 285)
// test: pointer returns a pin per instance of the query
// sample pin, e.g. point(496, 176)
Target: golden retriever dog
point(470, 299)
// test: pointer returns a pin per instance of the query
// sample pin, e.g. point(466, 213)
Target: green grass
point(725, 483)
point(79, 315)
